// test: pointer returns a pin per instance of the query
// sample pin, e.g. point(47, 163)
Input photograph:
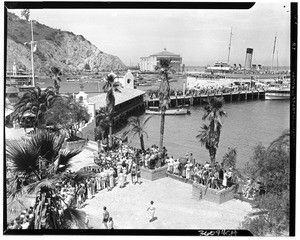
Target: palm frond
point(44, 183)
point(133, 135)
point(23, 157)
point(73, 218)
point(64, 160)
point(147, 119)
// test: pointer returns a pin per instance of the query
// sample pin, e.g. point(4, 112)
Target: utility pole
point(32, 66)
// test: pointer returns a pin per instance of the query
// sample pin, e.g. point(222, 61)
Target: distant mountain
point(71, 53)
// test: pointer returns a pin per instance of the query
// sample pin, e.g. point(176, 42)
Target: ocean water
point(246, 125)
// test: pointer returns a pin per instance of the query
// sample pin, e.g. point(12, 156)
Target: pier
point(198, 99)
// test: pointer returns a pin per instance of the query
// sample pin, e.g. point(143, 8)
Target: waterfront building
point(147, 64)
point(126, 101)
point(126, 81)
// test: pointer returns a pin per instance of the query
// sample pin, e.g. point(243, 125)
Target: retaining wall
point(213, 195)
point(154, 174)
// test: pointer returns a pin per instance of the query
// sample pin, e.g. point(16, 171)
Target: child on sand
point(110, 223)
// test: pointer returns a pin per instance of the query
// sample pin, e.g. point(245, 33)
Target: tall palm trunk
point(142, 142)
point(162, 129)
point(212, 154)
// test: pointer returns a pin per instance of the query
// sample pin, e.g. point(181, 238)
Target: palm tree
point(56, 72)
point(165, 68)
point(210, 134)
point(137, 129)
point(110, 87)
point(41, 163)
point(102, 123)
point(34, 103)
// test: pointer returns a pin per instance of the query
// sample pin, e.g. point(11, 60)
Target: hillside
point(71, 53)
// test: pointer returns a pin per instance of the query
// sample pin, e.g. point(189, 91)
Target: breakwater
point(198, 99)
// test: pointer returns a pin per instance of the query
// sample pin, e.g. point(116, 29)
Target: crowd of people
point(211, 175)
point(115, 168)
point(205, 90)
point(22, 221)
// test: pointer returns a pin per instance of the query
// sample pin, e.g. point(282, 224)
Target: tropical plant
point(210, 134)
point(34, 104)
point(110, 87)
point(137, 129)
point(65, 113)
point(41, 163)
point(271, 167)
point(25, 13)
point(102, 124)
point(229, 158)
point(165, 68)
point(56, 72)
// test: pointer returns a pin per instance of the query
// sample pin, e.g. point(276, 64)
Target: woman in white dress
point(89, 188)
point(176, 165)
point(111, 179)
point(224, 183)
point(188, 170)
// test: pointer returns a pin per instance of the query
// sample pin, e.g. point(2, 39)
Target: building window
point(128, 80)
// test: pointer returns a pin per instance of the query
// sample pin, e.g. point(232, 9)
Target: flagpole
point(32, 66)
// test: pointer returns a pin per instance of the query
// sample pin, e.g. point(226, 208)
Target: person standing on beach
point(105, 217)
point(151, 210)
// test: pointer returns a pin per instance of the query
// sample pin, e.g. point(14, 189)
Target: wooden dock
point(198, 99)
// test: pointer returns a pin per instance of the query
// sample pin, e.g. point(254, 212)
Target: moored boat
point(278, 93)
point(179, 111)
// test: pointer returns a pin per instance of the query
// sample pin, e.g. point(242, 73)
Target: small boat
point(145, 84)
point(282, 92)
point(180, 111)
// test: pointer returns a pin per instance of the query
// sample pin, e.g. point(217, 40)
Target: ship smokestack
point(248, 61)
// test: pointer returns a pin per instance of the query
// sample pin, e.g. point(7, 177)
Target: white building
point(147, 64)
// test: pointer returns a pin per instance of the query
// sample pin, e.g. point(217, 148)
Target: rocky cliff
point(71, 53)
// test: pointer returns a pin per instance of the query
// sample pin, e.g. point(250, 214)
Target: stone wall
point(178, 178)
point(154, 174)
point(200, 192)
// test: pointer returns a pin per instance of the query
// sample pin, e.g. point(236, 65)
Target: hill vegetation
point(71, 53)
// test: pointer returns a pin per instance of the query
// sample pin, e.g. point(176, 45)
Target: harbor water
point(246, 125)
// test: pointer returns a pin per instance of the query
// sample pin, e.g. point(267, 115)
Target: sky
point(201, 37)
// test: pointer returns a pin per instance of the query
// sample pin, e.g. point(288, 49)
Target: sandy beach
point(175, 208)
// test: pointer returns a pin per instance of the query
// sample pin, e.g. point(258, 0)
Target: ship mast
point(273, 52)
point(229, 46)
point(32, 66)
point(277, 61)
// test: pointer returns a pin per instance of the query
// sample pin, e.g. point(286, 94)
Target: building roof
point(165, 53)
point(11, 90)
point(99, 99)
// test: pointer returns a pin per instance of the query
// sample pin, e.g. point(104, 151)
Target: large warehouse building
point(147, 64)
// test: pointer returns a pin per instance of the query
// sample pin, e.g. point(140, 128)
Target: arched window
point(128, 80)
